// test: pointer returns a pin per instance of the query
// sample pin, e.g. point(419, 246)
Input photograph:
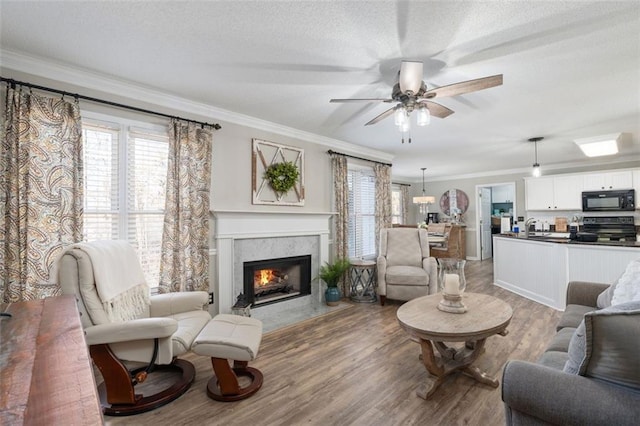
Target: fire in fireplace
point(274, 280)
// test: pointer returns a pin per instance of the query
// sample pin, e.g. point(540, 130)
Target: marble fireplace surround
point(243, 236)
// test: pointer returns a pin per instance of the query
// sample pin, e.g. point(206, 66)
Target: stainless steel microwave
point(609, 201)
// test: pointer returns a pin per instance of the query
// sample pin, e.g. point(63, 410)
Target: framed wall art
point(277, 174)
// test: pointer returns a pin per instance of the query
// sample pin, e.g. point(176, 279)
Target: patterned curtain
point(184, 262)
point(41, 192)
point(382, 174)
point(341, 190)
point(405, 203)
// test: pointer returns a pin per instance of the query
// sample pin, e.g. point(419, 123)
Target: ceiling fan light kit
point(424, 116)
point(411, 93)
point(536, 166)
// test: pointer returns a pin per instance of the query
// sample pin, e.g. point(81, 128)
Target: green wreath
point(282, 176)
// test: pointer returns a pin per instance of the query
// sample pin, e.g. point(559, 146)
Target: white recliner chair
point(405, 269)
point(124, 325)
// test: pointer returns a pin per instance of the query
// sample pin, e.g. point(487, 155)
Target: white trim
point(106, 84)
point(546, 169)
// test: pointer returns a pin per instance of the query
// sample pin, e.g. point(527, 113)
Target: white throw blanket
point(628, 286)
point(119, 279)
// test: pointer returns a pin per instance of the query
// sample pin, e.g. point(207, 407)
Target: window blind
point(361, 213)
point(125, 184)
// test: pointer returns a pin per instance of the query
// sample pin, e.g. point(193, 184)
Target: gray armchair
point(405, 268)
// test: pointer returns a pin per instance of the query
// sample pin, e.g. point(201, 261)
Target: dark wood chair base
point(224, 385)
point(148, 403)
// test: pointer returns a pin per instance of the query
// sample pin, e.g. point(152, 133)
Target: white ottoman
point(230, 337)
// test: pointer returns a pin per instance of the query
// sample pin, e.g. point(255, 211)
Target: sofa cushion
point(560, 341)
point(573, 315)
point(553, 359)
point(406, 275)
point(606, 345)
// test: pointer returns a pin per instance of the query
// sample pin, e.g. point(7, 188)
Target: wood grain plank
point(52, 379)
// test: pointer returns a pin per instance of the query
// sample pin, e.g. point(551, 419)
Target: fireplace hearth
point(273, 280)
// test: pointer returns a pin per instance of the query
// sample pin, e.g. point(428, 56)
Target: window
point(397, 204)
point(362, 221)
point(125, 170)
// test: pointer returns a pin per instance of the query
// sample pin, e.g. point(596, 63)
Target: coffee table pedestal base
point(451, 360)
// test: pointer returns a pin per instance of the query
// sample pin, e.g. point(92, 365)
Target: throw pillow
point(577, 351)
point(604, 298)
point(628, 287)
point(606, 345)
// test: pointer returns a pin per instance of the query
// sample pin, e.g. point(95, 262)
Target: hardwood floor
point(358, 367)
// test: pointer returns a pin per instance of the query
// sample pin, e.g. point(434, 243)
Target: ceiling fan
point(411, 93)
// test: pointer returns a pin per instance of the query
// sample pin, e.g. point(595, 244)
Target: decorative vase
point(452, 283)
point(332, 296)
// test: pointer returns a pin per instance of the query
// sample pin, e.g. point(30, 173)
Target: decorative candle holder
point(452, 283)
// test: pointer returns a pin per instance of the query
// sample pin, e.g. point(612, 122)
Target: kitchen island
point(539, 269)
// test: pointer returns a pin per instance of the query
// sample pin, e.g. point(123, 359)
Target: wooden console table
point(46, 376)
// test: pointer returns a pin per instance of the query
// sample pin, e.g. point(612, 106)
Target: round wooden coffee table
point(431, 327)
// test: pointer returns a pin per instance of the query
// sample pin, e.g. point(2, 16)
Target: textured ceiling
point(571, 69)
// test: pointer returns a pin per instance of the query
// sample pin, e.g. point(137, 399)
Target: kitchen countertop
point(572, 242)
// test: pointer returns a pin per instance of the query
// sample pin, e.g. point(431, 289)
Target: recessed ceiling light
point(599, 146)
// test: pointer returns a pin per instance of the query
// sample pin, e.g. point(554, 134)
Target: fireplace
point(274, 280)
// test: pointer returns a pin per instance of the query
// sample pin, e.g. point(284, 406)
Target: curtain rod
point(401, 184)
point(13, 84)
point(359, 158)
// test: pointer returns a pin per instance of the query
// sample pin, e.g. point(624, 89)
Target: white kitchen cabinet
point(567, 192)
point(554, 193)
point(636, 186)
point(608, 180)
point(539, 193)
point(502, 194)
point(564, 192)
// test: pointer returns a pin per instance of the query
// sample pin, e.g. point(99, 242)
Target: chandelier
point(424, 200)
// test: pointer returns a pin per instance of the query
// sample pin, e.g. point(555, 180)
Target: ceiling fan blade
point(362, 100)
point(437, 110)
point(410, 78)
point(381, 116)
point(464, 87)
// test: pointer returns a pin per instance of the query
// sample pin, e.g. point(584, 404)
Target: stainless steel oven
point(609, 201)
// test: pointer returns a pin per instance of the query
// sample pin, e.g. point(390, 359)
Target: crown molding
point(527, 170)
point(66, 74)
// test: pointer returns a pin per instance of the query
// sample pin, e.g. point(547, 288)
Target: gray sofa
point(604, 355)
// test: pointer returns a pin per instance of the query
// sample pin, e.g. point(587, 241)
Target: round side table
point(363, 281)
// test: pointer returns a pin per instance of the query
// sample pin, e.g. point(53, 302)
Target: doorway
point(494, 201)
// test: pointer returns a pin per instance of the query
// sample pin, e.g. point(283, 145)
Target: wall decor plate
point(454, 201)
point(277, 174)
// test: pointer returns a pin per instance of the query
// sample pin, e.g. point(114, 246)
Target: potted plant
point(331, 273)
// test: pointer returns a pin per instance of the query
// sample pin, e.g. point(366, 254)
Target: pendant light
point(424, 200)
point(536, 167)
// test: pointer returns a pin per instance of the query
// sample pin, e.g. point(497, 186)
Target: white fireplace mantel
point(232, 225)
point(261, 224)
